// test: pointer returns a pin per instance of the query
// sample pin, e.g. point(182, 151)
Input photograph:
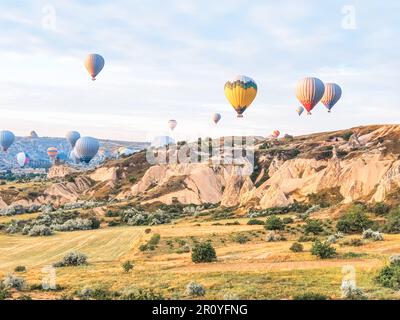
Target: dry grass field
point(253, 270)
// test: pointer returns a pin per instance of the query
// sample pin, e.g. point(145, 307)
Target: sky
point(170, 59)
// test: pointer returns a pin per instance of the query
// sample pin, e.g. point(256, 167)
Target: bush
point(310, 296)
point(127, 266)
point(195, 290)
point(389, 276)
point(380, 208)
point(39, 230)
point(346, 136)
point(374, 235)
point(322, 250)
point(353, 242)
point(20, 269)
point(253, 222)
point(140, 294)
point(72, 259)
point(351, 292)
point(240, 238)
point(13, 282)
point(203, 252)
point(96, 294)
point(287, 220)
point(4, 294)
point(392, 224)
point(313, 226)
point(274, 223)
point(296, 247)
point(354, 221)
point(273, 237)
point(307, 238)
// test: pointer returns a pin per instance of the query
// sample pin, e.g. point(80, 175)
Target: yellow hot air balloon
point(241, 92)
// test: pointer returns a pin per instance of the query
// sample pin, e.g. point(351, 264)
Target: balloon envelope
point(216, 117)
point(94, 63)
point(332, 95)
point(172, 124)
point(276, 133)
point(86, 148)
point(72, 137)
point(309, 91)
point(6, 139)
point(299, 110)
point(240, 92)
point(22, 159)
point(52, 152)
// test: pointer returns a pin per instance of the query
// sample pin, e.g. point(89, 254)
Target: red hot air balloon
point(310, 91)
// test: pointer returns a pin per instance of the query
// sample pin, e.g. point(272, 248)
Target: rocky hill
point(360, 163)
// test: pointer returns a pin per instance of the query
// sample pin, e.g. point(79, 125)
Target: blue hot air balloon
point(86, 148)
point(94, 63)
point(6, 139)
point(72, 137)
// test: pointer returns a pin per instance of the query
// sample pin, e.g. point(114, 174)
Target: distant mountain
point(37, 147)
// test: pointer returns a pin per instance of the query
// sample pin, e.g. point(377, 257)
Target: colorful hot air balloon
point(299, 110)
point(241, 92)
point(6, 139)
point(72, 137)
point(52, 152)
point(94, 63)
point(216, 117)
point(22, 159)
point(309, 91)
point(332, 95)
point(172, 124)
point(276, 133)
point(86, 148)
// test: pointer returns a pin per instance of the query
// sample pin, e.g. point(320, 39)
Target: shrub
point(155, 239)
point(203, 252)
point(310, 296)
point(307, 238)
point(354, 221)
point(374, 235)
point(240, 238)
point(195, 290)
point(141, 294)
point(346, 136)
point(4, 294)
point(287, 220)
point(380, 208)
point(273, 237)
point(274, 223)
point(351, 292)
point(127, 266)
point(296, 247)
point(322, 250)
point(354, 242)
point(253, 222)
point(13, 282)
point(389, 276)
point(392, 224)
point(147, 230)
point(20, 269)
point(313, 226)
point(95, 294)
point(72, 259)
point(39, 230)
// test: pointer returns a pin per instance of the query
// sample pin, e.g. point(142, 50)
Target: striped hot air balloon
point(6, 139)
point(309, 91)
point(72, 137)
point(216, 117)
point(240, 92)
point(172, 124)
point(86, 148)
point(52, 152)
point(276, 133)
point(94, 63)
point(332, 95)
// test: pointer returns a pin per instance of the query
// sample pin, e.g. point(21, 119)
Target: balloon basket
point(240, 116)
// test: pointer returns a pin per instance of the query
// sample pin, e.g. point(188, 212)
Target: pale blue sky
point(170, 59)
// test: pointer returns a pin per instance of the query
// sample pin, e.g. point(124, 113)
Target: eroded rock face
point(60, 171)
point(104, 174)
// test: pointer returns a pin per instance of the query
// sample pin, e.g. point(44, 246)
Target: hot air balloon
point(309, 91)
point(276, 133)
point(172, 124)
point(94, 63)
point(6, 139)
point(86, 148)
point(72, 137)
point(52, 152)
point(22, 159)
point(332, 95)
point(216, 117)
point(299, 110)
point(241, 92)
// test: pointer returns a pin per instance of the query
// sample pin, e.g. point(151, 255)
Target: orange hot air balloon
point(310, 91)
point(52, 152)
point(332, 95)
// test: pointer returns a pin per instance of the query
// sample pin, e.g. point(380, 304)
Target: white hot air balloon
point(22, 159)
point(300, 110)
point(172, 124)
point(216, 117)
